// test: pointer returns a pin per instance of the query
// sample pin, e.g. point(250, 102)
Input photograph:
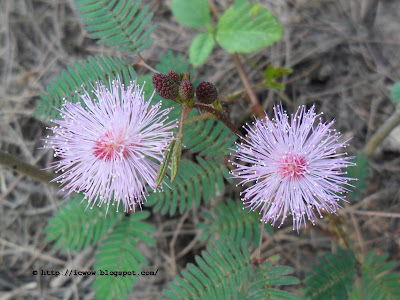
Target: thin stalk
point(202, 117)
point(382, 132)
point(144, 64)
point(255, 105)
point(213, 9)
point(220, 116)
point(9, 161)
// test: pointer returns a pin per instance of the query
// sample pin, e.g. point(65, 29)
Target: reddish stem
point(220, 116)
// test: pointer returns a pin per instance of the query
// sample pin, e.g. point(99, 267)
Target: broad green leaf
point(192, 13)
point(395, 94)
point(246, 28)
point(201, 48)
point(240, 2)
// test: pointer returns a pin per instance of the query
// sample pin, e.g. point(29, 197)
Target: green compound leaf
point(201, 48)
point(209, 138)
point(192, 13)
point(170, 61)
point(361, 173)
point(378, 281)
point(232, 221)
point(74, 228)
point(225, 271)
point(119, 23)
point(193, 183)
point(395, 94)
point(119, 252)
point(74, 79)
point(332, 278)
point(246, 28)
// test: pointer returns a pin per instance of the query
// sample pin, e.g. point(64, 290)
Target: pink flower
point(294, 167)
point(110, 149)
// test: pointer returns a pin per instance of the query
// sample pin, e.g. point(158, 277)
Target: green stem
point(382, 132)
point(199, 118)
point(17, 165)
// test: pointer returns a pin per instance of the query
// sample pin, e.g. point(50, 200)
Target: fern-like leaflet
point(225, 271)
point(333, 277)
point(119, 23)
point(119, 252)
point(74, 228)
point(232, 221)
point(378, 281)
point(209, 138)
point(193, 183)
point(81, 75)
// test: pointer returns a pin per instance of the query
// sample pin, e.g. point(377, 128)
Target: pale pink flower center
point(292, 165)
point(111, 146)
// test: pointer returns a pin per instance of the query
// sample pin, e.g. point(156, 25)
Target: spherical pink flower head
point(110, 149)
point(294, 166)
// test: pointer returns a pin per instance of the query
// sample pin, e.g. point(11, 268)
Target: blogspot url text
point(74, 272)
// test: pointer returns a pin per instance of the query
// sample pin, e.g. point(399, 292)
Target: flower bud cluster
point(180, 89)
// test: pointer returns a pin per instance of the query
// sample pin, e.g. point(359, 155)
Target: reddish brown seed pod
point(165, 86)
point(186, 90)
point(206, 92)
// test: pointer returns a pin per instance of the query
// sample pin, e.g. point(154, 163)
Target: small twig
point(372, 213)
point(199, 118)
point(17, 165)
point(358, 233)
point(382, 132)
point(220, 116)
point(213, 9)
point(284, 97)
point(33, 251)
point(258, 251)
point(255, 105)
point(174, 239)
point(232, 96)
point(17, 291)
point(144, 64)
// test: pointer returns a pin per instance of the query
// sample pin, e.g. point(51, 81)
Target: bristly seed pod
point(206, 92)
point(165, 86)
point(186, 90)
point(174, 76)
